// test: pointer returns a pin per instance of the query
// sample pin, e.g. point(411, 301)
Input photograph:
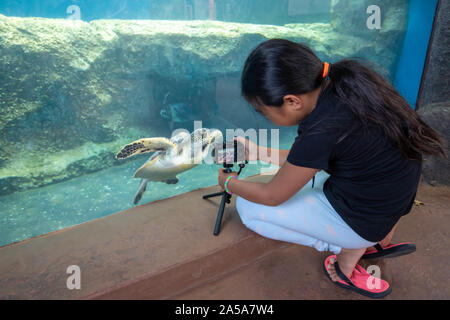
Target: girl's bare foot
point(348, 258)
point(356, 277)
point(332, 270)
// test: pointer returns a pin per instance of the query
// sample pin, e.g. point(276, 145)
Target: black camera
point(228, 153)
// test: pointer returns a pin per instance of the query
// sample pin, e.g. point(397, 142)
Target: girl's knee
point(246, 209)
point(239, 204)
point(240, 208)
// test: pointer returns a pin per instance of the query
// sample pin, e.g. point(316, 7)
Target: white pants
point(307, 218)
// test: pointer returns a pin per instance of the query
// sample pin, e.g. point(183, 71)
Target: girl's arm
point(288, 181)
point(265, 155)
point(254, 152)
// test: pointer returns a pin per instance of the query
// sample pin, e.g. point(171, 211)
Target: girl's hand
point(251, 148)
point(223, 176)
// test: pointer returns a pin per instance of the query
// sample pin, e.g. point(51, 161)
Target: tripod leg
point(220, 214)
point(206, 196)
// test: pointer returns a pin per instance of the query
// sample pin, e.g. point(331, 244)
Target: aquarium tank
point(81, 79)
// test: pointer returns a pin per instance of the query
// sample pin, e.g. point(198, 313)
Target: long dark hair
point(279, 67)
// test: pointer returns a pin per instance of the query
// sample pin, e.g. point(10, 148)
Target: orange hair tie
point(326, 68)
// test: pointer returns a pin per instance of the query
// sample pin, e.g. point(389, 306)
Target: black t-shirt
point(371, 183)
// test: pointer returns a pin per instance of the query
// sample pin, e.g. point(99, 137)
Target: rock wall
point(434, 97)
point(350, 17)
point(72, 93)
point(436, 76)
point(436, 170)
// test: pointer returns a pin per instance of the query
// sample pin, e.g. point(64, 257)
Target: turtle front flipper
point(145, 145)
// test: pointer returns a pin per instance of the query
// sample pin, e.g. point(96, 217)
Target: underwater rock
point(436, 170)
point(41, 167)
point(350, 17)
point(69, 84)
point(181, 102)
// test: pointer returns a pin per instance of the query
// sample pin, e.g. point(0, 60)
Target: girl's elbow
point(273, 200)
point(272, 197)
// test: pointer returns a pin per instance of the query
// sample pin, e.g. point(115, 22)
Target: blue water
point(248, 11)
point(87, 196)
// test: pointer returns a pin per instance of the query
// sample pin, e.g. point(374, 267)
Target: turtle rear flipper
point(140, 191)
point(171, 180)
point(145, 145)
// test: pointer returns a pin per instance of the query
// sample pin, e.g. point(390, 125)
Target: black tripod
point(226, 198)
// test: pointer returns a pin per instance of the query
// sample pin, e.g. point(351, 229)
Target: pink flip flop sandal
point(359, 281)
point(391, 251)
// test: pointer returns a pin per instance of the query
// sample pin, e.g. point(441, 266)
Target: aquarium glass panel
point(81, 79)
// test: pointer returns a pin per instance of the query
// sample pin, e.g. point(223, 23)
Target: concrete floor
point(166, 250)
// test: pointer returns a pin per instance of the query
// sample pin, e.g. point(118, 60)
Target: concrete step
point(151, 251)
point(187, 275)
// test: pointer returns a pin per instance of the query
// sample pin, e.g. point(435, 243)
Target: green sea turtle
point(171, 156)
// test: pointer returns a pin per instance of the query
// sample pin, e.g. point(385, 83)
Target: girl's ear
point(292, 101)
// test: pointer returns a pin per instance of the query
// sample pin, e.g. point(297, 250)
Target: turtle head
point(196, 147)
point(206, 136)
